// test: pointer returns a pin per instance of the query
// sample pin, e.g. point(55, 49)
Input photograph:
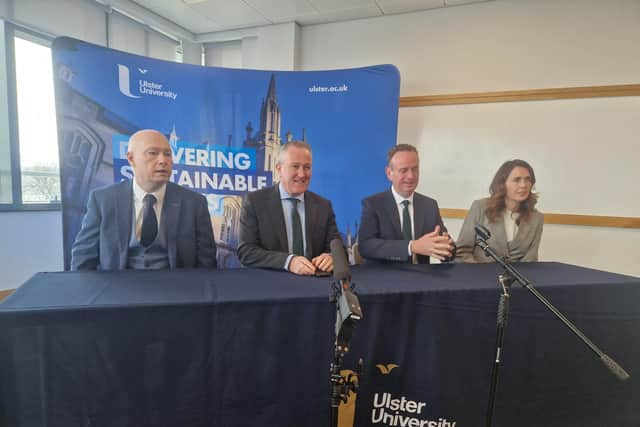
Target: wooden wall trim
point(566, 219)
point(5, 293)
point(522, 95)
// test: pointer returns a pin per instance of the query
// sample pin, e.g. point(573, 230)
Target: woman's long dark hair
point(498, 190)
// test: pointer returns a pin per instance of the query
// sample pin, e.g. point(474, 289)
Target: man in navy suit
point(286, 227)
point(146, 223)
point(400, 225)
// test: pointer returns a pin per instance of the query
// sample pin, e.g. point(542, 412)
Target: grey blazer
point(103, 241)
point(523, 247)
point(263, 233)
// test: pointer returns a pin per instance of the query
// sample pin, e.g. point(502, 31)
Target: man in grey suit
point(285, 226)
point(146, 223)
point(400, 225)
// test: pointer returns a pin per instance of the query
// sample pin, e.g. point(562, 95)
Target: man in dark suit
point(285, 226)
point(399, 224)
point(146, 223)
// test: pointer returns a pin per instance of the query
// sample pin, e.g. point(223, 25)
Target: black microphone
point(341, 270)
point(348, 311)
point(482, 233)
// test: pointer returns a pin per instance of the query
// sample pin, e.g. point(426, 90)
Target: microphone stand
point(481, 240)
point(348, 313)
point(503, 314)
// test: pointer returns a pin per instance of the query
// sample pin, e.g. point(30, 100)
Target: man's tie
point(149, 221)
point(406, 221)
point(297, 247)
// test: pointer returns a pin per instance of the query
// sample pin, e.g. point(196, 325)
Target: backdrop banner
point(225, 127)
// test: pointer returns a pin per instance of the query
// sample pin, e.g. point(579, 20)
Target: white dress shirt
point(287, 207)
point(138, 196)
point(399, 199)
point(510, 224)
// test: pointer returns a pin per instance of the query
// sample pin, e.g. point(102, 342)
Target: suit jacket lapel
point(275, 210)
point(521, 237)
point(124, 214)
point(171, 217)
point(498, 239)
point(418, 217)
point(392, 212)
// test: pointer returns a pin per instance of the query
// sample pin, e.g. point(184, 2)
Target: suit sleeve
point(532, 252)
point(205, 242)
point(85, 252)
point(251, 252)
point(467, 237)
point(370, 241)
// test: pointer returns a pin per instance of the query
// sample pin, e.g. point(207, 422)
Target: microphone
point(348, 311)
point(341, 270)
point(482, 233)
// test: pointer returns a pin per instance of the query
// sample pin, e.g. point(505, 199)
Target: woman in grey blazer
point(509, 214)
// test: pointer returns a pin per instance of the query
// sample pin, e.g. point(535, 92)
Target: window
point(31, 178)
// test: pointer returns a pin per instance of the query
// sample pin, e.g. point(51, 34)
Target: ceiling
point(198, 17)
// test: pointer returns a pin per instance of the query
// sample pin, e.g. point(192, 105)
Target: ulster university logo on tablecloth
point(389, 406)
point(386, 369)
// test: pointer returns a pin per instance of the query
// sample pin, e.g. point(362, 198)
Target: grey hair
point(285, 147)
point(398, 148)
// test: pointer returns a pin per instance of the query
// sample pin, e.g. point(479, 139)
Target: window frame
point(11, 31)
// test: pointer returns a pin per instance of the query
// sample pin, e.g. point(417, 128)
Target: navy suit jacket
point(263, 233)
point(103, 240)
point(380, 234)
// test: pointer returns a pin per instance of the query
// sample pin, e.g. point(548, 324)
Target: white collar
point(139, 193)
point(399, 199)
point(284, 195)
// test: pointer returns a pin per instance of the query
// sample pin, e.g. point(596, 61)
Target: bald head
point(150, 156)
point(145, 135)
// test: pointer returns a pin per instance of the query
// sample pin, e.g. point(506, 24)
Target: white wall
point(74, 18)
point(274, 47)
point(191, 53)
point(585, 152)
point(125, 35)
point(492, 46)
point(160, 46)
point(224, 54)
point(31, 242)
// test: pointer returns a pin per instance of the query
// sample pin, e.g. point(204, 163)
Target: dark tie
point(296, 225)
point(406, 221)
point(149, 221)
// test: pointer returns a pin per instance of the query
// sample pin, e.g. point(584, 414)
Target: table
point(252, 348)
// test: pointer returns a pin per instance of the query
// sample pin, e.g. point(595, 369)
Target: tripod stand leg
point(503, 314)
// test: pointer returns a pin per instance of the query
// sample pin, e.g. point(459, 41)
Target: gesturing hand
point(433, 244)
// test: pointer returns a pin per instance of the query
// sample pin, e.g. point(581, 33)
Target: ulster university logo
point(386, 369)
point(124, 81)
point(141, 85)
point(399, 410)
